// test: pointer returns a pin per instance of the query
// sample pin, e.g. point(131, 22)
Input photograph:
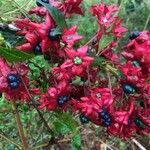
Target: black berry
point(106, 122)
point(13, 81)
point(135, 63)
point(94, 41)
point(37, 49)
point(83, 119)
point(62, 100)
point(53, 35)
point(134, 35)
point(142, 104)
point(139, 123)
point(105, 118)
point(47, 56)
point(44, 1)
point(128, 89)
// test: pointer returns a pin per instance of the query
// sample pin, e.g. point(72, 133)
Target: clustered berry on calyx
point(105, 117)
point(94, 99)
point(13, 81)
point(61, 100)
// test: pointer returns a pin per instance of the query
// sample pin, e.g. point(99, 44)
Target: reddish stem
point(20, 127)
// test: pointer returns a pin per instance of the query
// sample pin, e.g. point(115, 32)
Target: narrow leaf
point(60, 127)
point(98, 61)
point(76, 142)
point(105, 41)
point(56, 14)
point(13, 55)
point(68, 120)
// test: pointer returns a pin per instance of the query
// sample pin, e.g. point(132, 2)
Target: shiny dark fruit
point(135, 63)
point(53, 35)
point(106, 122)
point(94, 41)
point(13, 81)
point(139, 123)
point(37, 49)
point(44, 1)
point(134, 35)
point(142, 104)
point(83, 119)
point(105, 118)
point(47, 56)
point(128, 89)
point(62, 100)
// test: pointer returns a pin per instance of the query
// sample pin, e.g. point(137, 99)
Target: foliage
point(135, 14)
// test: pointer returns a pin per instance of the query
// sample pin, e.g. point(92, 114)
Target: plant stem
point(21, 9)
point(138, 144)
point(34, 105)
point(109, 82)
point(10, 141)
point(20, 127)
point(6, 110)
point(147, 21)
point(40, 146)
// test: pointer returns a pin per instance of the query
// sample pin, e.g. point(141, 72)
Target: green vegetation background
point(135, 13)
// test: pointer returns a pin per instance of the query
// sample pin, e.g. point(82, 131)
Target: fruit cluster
point(119, 101)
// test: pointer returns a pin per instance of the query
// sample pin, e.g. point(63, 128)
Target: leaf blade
point(13, 55)
point(56, 14)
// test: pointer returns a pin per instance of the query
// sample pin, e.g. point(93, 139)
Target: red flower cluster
point(68, 7)
point(76, 82)
point(10, 81)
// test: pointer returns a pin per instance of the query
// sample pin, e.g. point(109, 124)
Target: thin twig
point(6, 110)
point(35, 106)
point(40, 146)
point(13, 11)
point(138, 144)
point(91, 39)
point(106, 145)
point(20, 127)
point(21, 9)
point(11, 141)
point(147, 21)
point(109, 82)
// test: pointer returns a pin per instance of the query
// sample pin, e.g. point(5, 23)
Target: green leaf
point(77, 81)
point(60, 127)
point(105, 41)
point(11, 38)
point(65, 122)
point(76, 142)
point(56, 14)
point(68, 120)
point(98, 61)
point(13, 55)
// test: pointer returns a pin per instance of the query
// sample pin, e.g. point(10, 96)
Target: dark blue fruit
point(13, 81)
point(134, 35)
point(94, 41)
point(37, 49)
point(128, 89)
point(142, 104)
point(139, 123)
point(62, 100)
point(44, 1)
point(105, 118)
point(135, 63)
point(53, 35)
point(106, 122)
point(47, 56)
point(83, 119)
